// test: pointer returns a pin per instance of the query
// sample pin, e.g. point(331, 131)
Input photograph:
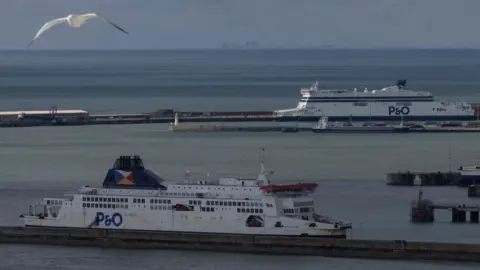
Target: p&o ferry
point(388, 104)
point(135, 198)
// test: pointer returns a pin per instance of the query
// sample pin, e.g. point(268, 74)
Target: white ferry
point(390, 103)
point(135, 198)
point(469, 174)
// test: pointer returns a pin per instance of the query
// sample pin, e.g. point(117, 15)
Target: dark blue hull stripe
point(362, 100)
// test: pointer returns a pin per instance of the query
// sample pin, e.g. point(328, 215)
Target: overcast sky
point(167, 24)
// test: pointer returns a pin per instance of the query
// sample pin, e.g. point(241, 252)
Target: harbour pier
point(408, 178)
point(257, 244)
point(473, 191)
point(423, 211)
point(56, 117)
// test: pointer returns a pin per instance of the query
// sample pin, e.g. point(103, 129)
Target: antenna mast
point(263, 173)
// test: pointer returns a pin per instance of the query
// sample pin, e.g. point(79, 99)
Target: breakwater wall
point(371, 249)
point(407, 178)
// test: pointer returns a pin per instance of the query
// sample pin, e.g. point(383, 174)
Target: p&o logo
point(114, 220)
point(398, 110)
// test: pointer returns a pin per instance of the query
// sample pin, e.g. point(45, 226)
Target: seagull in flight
point(74, 21)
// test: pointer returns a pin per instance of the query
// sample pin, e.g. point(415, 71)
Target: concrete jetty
point(423, 211)
point(56, 117)
point(371, 249)
point(473, 191)
point(407, 178)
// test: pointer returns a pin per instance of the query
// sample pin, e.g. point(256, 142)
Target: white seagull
point(74, 21)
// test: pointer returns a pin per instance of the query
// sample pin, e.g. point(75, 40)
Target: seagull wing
point(94, 15)
point(45, 27)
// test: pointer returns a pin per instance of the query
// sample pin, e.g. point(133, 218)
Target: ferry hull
point(332, 236)
point(411, 118)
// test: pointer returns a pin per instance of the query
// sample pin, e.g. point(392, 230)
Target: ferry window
point(109, 200)
point(256, 210)
point(168, 201)
point(84, 205)
point(189, 202)
point(117, 200)
point(248, 210)
point(234, 203)
point(96, 205)
point(208, 202)
point(88, 205)
point(104, 199)
point(109, 206)
point(216, 202)
point(96, 199)
point(243, 203)
point(134, 200)
point(143, 200)
point(221, 203)
point(84, 199)
point(243, 210)
point(238, 210)
point(151, 200)
point(261, 211)
point(304, 209)
point(229, 203)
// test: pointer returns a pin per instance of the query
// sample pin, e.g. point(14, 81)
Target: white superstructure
point(387, 103)
point(134, 198)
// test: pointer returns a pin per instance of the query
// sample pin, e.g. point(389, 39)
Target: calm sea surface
point(350, 169)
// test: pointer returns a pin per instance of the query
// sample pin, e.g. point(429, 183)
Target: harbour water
point(349, 168)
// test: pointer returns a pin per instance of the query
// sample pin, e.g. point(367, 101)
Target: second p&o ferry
point(387, 104)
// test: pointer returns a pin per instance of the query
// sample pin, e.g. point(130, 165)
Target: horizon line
point(244, 49)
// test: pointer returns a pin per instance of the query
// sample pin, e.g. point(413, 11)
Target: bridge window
point(304, 209)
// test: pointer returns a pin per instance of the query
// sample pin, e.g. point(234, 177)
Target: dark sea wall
point(372, 249)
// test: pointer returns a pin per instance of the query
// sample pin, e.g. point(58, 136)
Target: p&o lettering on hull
point(114, 220)
point(405, 110)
